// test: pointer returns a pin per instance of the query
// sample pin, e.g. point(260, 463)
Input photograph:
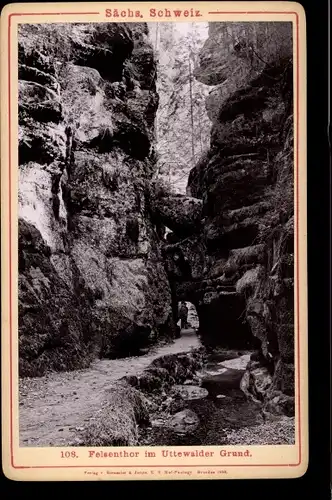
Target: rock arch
point(220, 308)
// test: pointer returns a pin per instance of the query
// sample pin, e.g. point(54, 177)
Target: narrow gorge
point(107, 250)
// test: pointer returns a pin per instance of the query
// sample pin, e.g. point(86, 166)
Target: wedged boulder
point(181, 214)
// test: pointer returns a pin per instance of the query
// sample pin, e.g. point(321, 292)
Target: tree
point(182, 125)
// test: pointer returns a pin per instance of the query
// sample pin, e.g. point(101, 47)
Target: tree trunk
point(191, 114)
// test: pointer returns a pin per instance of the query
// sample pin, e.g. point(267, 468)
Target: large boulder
point(181, 214)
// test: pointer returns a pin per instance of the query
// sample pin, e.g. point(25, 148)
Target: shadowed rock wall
point(238, 268)
point(92, 279)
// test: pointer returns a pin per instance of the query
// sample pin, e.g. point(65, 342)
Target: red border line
point(253, 12)
point(10, 259)
point(52, 14)
point(10, 252)
point(297, 216)
point(171, 466)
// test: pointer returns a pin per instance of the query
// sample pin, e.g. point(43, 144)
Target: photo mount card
point(154, 305)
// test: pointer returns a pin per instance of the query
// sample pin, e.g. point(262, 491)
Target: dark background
point(319, 288)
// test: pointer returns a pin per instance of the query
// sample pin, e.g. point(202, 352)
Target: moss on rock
point(115, 424)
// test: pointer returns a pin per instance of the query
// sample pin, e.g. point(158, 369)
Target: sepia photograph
point(156, 234)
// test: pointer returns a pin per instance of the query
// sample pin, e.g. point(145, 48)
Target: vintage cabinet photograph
point(154, 180)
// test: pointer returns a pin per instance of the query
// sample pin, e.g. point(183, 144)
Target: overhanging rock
point(181, 214)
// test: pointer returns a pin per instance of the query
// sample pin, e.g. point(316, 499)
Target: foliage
point(182, 125)
point(115, 424)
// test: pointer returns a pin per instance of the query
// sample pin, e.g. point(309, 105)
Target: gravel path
point(280, 431)
point(54, 406)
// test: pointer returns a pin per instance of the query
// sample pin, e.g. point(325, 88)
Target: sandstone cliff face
point(244, 281)
point(92, 280)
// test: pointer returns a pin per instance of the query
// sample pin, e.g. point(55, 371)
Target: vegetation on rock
point(246, 184)
point(107, 248)
point(87, 105)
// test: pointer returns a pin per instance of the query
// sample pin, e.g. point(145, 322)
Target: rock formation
point(92, 280)
point(98, 274)
point(238, 269)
